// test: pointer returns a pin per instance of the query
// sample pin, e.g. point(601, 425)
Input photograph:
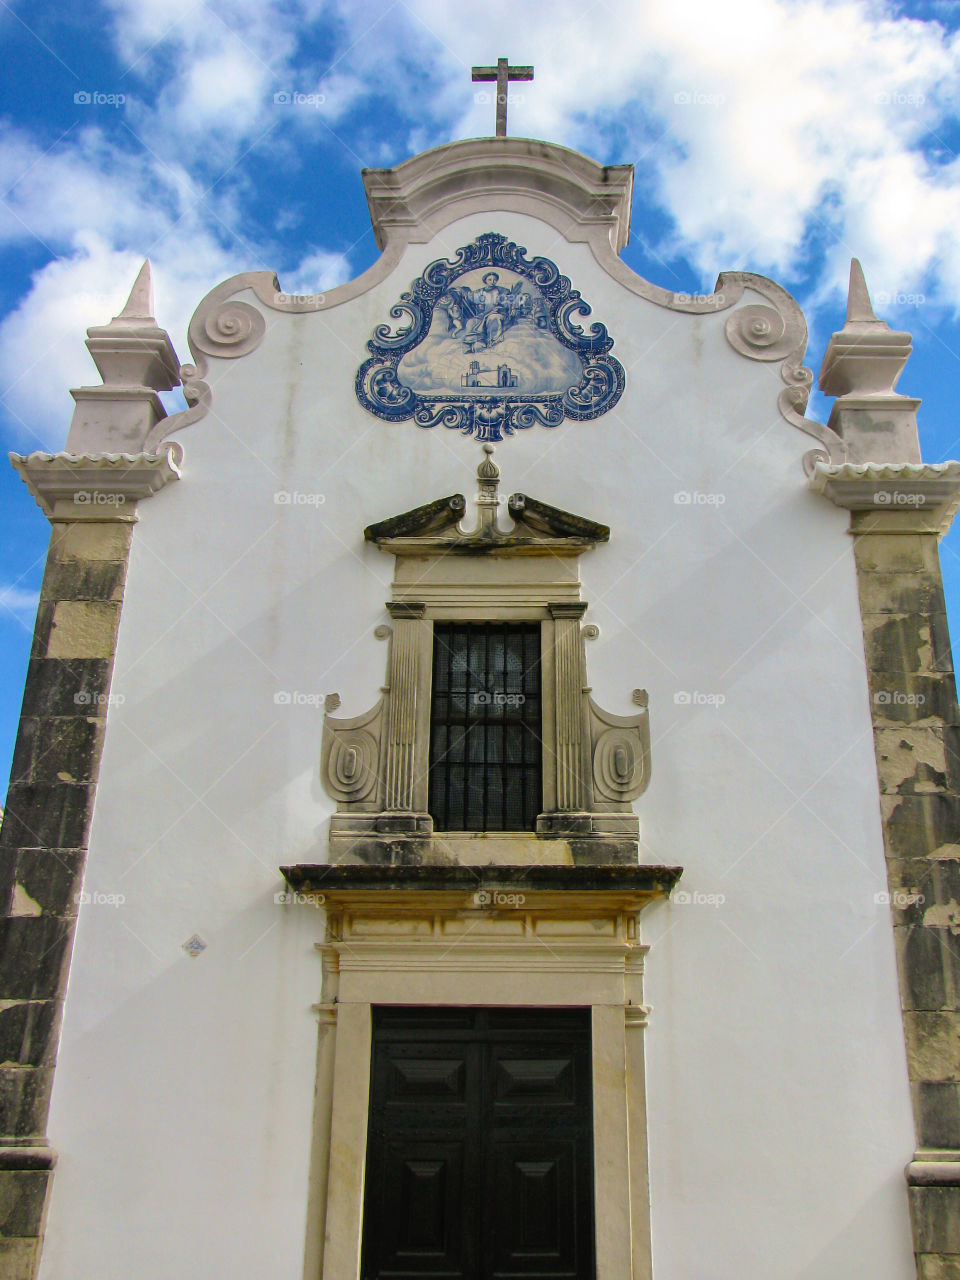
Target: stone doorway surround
point(525, 936)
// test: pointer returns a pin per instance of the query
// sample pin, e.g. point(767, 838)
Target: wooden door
point(480, 1150)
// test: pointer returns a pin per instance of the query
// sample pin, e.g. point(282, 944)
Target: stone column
point(568, 667)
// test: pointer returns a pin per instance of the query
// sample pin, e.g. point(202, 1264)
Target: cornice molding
point(587, 200)
point(96, 486)
point(928, 491)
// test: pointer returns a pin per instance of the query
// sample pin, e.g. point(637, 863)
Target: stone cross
point(502, 73)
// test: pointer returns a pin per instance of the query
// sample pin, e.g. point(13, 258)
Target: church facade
point(485, 799)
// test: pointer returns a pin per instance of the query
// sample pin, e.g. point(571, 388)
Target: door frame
point(429, 948)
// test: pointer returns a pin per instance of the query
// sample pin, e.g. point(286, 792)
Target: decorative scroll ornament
point(495, 353)
point(350, 757)
point(760, 332)
point(229, 330)
point(621, 754)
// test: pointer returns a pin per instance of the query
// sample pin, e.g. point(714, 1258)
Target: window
point(485, 727)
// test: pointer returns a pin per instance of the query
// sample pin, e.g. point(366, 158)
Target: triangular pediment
point(537, 528)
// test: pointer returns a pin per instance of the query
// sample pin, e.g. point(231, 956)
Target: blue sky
point(777, 136)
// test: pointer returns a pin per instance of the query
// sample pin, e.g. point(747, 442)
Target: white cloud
point(18, 601)
point(318, 271)
point(743, 116)
point(756, 124)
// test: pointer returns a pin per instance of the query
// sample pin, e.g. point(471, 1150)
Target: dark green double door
point(480, 1150)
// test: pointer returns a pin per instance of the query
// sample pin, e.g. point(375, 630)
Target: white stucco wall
point(777, 1090)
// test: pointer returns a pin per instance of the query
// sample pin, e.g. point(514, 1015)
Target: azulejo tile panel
point(488, 343)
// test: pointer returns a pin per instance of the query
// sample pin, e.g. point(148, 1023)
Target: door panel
point(480, 1151)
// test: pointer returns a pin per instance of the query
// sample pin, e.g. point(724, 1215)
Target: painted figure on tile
point(480, 316)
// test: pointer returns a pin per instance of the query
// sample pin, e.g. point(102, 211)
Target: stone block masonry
point(913, 702)
point(43, 846)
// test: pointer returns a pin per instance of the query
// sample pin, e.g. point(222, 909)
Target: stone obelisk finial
point(860, 367)
point(136, 359)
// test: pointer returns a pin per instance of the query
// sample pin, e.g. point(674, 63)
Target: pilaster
point(401, 743)
point(568, 659)
point(913, 706)
point(91, 502)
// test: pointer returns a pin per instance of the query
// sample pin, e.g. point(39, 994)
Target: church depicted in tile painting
point(485, 799)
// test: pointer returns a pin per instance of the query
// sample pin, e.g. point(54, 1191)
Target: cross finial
point(503, 73)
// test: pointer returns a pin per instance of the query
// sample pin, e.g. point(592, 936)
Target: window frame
point(537, 731)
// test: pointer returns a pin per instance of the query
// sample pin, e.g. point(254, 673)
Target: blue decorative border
point(602, 378)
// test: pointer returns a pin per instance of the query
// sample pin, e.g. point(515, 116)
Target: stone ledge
point(27, 1157)
point(928, 492)
point(330, 879)
point(96, 486)
point(939, 1169)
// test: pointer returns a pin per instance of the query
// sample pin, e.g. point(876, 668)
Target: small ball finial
point(488, 470)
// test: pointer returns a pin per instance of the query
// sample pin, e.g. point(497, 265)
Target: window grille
point(485, 727)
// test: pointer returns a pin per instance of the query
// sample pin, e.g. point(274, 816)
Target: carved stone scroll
point(621, 757)
point(350, 759)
